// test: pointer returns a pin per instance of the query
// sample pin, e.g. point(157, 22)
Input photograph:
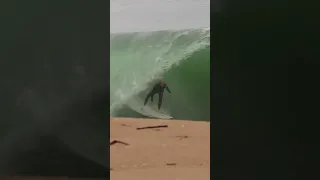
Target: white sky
point(149, 15)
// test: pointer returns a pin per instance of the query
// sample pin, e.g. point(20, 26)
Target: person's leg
point(147, 98)
point(160, 100)
point(152, 97)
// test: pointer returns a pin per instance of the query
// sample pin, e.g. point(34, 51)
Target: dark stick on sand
point(152, 127)
point(116, 141)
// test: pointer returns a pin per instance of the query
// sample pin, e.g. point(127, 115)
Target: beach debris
point(182, 137)
point(144, 164)
point(120, 142)
point(125, 125)
point(152, 127)
point(171, 164)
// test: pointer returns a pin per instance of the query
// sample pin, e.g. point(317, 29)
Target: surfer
point(157, 88)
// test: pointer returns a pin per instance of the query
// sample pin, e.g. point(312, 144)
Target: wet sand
point(175, 150)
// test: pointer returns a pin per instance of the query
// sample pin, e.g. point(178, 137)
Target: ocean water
point(168, 40)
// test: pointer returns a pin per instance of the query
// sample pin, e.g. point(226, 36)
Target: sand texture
point(177, 150)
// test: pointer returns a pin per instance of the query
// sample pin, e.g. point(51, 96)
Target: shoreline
point(155, 149)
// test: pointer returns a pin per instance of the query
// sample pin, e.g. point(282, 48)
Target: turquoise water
point(181, 58)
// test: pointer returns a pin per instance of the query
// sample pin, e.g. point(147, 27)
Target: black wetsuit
point(157, 88)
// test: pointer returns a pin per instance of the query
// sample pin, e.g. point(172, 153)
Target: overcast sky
point(149, 15)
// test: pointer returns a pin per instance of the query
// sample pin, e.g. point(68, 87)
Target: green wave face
point(180, 58)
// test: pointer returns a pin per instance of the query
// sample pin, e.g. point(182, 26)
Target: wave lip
point(181, 58)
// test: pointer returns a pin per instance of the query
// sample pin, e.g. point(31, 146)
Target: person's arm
point(168, 89)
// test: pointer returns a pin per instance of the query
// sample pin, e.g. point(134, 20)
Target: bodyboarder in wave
point(157, 89)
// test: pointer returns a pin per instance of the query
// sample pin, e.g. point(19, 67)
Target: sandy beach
point(176, 149)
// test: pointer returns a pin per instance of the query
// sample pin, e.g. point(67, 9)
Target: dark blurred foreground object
point(54, 71)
